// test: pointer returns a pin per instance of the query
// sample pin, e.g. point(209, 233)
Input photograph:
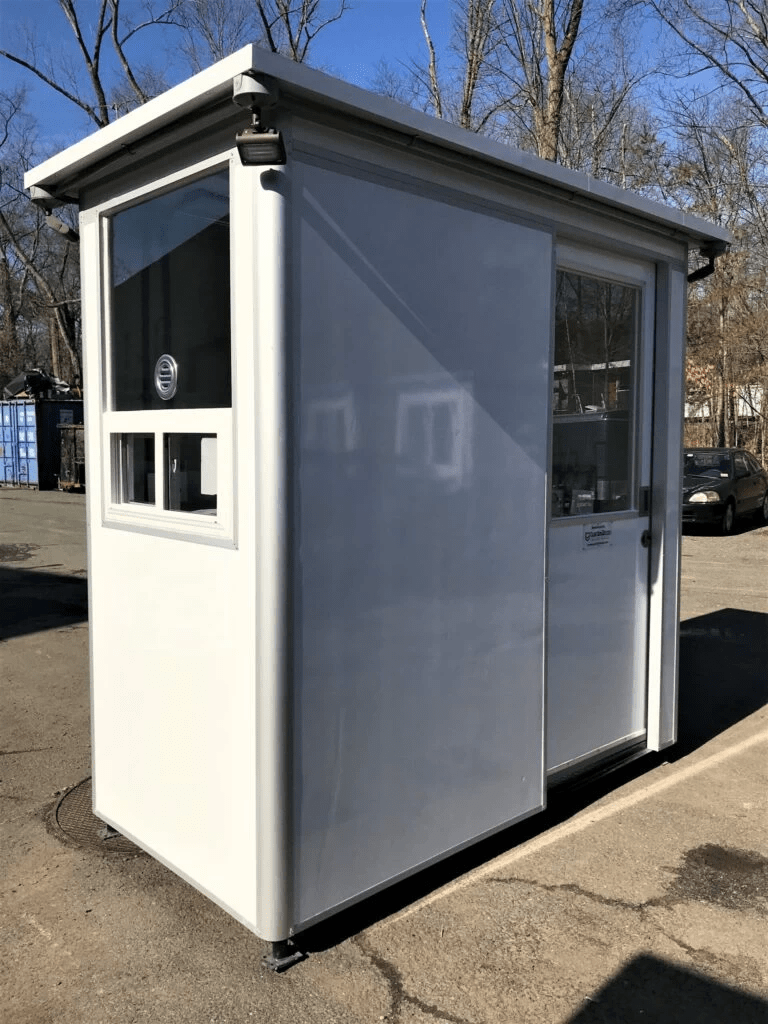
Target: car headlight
point(704, 497)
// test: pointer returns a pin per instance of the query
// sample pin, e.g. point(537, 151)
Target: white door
point(597, 638)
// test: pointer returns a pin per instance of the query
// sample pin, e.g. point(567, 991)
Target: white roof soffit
point(187, 104)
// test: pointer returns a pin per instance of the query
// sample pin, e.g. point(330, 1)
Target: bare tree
point(464, 98)
point(212, 29)
point(505, 71)
point(13, 121)
point(610, 135)
point(100, 80)
point(539, 37)
point(39, 297)
point(729, 37)
point(434, 90)
point(459, 86)
point(39, 276)
point(608, 127)
point(399, 84)
point(291, 26)
point(101, 76)
point(720, 170)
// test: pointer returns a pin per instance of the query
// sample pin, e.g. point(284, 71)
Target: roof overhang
point(205, 100)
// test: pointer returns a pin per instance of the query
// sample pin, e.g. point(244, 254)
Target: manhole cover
point(77, 821)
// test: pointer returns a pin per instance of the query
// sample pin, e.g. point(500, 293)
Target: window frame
point(634, 273)
point(219, 421)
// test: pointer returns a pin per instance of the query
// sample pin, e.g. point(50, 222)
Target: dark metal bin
point(72, 457)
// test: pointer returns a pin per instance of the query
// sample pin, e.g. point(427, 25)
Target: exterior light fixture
point(258, 144)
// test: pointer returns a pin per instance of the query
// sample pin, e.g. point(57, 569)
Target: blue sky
point(351, 48)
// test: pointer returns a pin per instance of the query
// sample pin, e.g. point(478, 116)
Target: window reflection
point(331, 425)
point(422, 432)
point(433, 432)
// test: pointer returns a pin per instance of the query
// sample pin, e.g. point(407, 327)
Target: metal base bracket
point(108, 833)
point(284, 955)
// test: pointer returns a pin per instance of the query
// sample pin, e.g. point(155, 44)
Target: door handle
point(645, 538)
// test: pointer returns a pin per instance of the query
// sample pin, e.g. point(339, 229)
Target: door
point(749, 487)
point(600, 525)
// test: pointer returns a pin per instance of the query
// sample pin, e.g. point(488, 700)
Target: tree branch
point(128, 71)
point(89, 110)
point(434, 84)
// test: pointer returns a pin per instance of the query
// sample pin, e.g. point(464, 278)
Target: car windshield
point(707, 464)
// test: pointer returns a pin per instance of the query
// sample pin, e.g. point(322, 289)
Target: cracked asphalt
point(642, 897)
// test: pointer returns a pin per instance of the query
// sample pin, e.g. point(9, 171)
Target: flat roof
point(299, 85)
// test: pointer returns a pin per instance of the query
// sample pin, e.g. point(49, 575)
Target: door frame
point(637, 273)
point(657, 462)
point(666, 501)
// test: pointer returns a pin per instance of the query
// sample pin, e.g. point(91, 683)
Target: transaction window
point(596, 333)
point(168, 359)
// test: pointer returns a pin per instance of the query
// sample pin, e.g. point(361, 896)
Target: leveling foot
point(283, 955)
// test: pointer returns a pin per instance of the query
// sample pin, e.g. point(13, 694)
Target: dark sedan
point(722, 484)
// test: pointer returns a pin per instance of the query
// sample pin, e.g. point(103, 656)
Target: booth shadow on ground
point(723, 679)
point(723, 674)
point(649, 989)
point(563, 803)
point(33, 600)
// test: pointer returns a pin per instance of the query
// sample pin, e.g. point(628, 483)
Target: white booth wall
point(173, 595)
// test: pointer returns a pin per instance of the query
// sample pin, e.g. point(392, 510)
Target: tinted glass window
point(135, 470)
point(190, 465)
point(596, 329)
point(170, 296)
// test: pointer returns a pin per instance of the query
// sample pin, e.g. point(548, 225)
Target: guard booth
point(384, 468)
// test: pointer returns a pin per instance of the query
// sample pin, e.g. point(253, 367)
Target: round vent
point(166, 377)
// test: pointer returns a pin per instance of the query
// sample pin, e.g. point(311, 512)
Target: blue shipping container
point(29, 440)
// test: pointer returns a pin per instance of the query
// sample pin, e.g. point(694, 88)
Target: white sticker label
point(597, 535)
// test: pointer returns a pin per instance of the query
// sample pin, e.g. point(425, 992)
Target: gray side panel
point(419, 542)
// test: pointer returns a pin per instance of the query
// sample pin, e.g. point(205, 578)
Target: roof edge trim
point(299, 83)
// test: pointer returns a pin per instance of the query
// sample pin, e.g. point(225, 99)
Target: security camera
point(253, 93)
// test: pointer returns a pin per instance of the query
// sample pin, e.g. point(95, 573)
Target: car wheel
point(763, 513)
point(729, 516)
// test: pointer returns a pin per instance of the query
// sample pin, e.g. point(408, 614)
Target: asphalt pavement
point(642, 897)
